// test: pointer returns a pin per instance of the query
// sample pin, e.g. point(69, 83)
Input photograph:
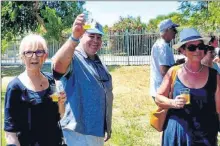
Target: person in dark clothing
point(31, 117)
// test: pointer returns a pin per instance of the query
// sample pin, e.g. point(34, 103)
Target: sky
point(108, 12)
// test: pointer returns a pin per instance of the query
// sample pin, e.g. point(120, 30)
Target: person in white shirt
point(162, 57)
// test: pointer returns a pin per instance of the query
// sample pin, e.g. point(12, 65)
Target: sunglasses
point(173, 29)
point(193, 48)
point(38, 53)
point(209, 48)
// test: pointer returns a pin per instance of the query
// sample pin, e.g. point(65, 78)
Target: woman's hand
point(61, 103)
point(62, 98)
point(178, 102)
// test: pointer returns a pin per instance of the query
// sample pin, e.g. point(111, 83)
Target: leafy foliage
point(49, 18)
point(128, 23)
point(202, 15)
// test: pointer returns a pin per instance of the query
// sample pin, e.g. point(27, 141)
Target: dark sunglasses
point(209, 48)
point(38, 53)
point(194, 47)
point(173, 29)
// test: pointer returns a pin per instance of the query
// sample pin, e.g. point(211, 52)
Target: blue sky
point(108, 12)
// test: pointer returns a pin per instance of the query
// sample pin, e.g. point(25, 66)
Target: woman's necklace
point(194, 72)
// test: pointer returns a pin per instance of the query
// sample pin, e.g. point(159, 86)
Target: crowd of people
point(82, 116)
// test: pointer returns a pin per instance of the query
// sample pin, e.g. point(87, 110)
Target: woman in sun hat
point(192, 122)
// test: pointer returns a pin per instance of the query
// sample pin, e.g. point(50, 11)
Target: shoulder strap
point(174, 74)
point(173, 78)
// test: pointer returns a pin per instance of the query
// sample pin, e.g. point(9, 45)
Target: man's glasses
point(193, 48)
point(38, 53)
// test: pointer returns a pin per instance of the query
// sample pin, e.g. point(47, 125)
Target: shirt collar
point(83, 53)
point(81, 50)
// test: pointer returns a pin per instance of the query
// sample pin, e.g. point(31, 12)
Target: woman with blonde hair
point(31, 117)
point(192, 118)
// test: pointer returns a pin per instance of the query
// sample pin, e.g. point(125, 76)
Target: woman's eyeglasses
point(38, 53)
point(193, 48)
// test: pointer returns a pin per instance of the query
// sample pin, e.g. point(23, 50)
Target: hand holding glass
point(56, 90)
point(185, 92)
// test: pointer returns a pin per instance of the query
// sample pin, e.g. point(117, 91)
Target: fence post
point(127, 45)
point(15, 52)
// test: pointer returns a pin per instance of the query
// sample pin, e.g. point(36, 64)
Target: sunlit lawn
point(131, 109)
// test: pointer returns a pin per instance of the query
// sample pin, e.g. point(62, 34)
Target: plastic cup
point(185, 92)
point(56, 90)
point(54, 97)
point(54, 94)
point(88, 20)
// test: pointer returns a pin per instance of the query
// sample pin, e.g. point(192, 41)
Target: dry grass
point(132, 105)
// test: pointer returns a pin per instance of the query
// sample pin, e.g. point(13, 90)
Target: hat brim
point(96, 31)
point(204, 39)
point(175, 25)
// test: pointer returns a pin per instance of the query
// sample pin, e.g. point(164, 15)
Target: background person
point(211, 58)
point(162, 57)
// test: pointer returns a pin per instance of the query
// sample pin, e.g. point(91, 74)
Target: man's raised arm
point(63, 56)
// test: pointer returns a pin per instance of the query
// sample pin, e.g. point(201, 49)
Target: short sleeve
point(164, 55)
point(58, 76)
point(11, 117)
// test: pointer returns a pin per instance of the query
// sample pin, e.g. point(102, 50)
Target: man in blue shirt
point(88, 85)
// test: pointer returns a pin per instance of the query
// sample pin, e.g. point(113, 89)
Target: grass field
point(131, 109)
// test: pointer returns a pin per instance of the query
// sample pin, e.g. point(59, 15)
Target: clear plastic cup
point(185, 92)
point(88, 20)
point(56, 90)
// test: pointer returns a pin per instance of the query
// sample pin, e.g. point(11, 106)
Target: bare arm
point(217, 94)
point(63, 57)
point(162, 99)
point(61, 104)
point(11, 138)
point(164, 69)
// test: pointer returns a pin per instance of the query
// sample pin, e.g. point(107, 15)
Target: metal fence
point(119, 48)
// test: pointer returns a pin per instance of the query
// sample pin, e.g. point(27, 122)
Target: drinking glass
point(56, 90)
point(185, 92)
point(89, 21)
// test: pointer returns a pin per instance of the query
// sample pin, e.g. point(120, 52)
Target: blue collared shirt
point(88, 86)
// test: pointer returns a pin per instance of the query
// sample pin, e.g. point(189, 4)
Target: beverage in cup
point(88, 20)
point(54, 97)
point(185, 92)
point(56, 90)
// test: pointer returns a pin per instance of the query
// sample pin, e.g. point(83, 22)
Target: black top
point(197, 123)
point(32, 115)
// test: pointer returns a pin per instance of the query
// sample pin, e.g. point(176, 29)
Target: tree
point(128, 23)
point(152, 26)
point(21, 17)
point(202, 15)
